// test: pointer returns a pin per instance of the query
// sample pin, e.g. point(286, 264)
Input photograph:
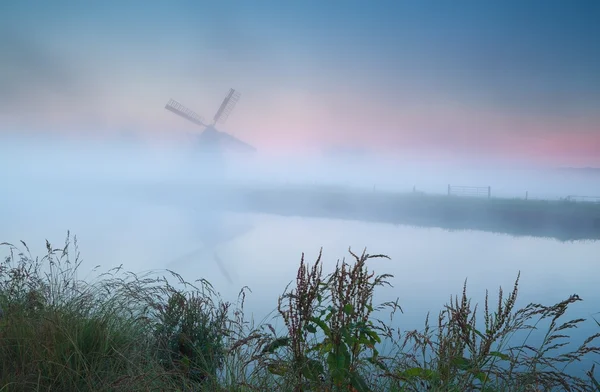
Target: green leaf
point(185, 361)
point(311, 328)
point(425, 374)
point(340, 359)
point(462, 363)
point(358, 382)
point(313, 369)
point(346, 335)
point(365, 341)
point(275, 344)
point(332, 362)
point(374, 335)
point(481, 376)
point(499, 355)
point(348, 309)
point(337, 368)
point(277, 368)
point(321, 325)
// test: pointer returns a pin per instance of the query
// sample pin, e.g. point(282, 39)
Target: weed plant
point(124, 332)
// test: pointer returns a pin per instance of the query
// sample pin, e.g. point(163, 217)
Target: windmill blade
point(227, 106)
point(184, 112)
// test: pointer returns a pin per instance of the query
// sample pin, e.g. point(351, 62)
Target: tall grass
point(120, 331)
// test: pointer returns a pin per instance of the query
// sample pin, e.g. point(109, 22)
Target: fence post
point(489, 192)
point(448, 189)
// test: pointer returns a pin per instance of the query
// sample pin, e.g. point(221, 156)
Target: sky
point(514, 80)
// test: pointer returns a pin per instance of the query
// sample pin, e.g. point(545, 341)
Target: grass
point(119, 331)
point(561, 219)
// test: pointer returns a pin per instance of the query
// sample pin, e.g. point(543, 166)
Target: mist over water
point(102, 162)
point(144, 208)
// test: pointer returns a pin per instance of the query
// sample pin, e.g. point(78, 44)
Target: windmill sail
point(184, 112)
point(226, 107)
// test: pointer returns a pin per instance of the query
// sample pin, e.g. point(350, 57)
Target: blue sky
point(507, 77)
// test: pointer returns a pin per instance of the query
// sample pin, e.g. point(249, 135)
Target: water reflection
point(262, 252)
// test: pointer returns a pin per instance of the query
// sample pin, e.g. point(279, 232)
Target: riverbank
point(560, 219)
point(564, 220)
point(120, 331)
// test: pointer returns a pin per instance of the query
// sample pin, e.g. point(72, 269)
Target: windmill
point(212, 139)
point(215, 143)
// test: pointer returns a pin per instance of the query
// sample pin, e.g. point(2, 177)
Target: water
point(262, 252)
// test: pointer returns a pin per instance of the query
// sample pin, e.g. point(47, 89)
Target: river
point(263, 252)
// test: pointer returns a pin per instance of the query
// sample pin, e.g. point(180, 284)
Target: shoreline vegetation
point(564, 220)
point(567, 219)
point(125, 332)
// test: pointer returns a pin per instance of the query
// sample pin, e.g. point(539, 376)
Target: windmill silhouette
point(214, 144)
point(211, 139)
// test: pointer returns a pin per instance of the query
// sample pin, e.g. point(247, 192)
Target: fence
point(471, 191)
point(585, 199)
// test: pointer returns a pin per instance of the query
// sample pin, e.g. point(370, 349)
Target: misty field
point(120, 331)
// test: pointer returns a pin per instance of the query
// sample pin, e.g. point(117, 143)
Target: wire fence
point(470, 191)
point(583, 199)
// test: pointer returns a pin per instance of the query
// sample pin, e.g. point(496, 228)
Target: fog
point(154, 207)
point(88, 162)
